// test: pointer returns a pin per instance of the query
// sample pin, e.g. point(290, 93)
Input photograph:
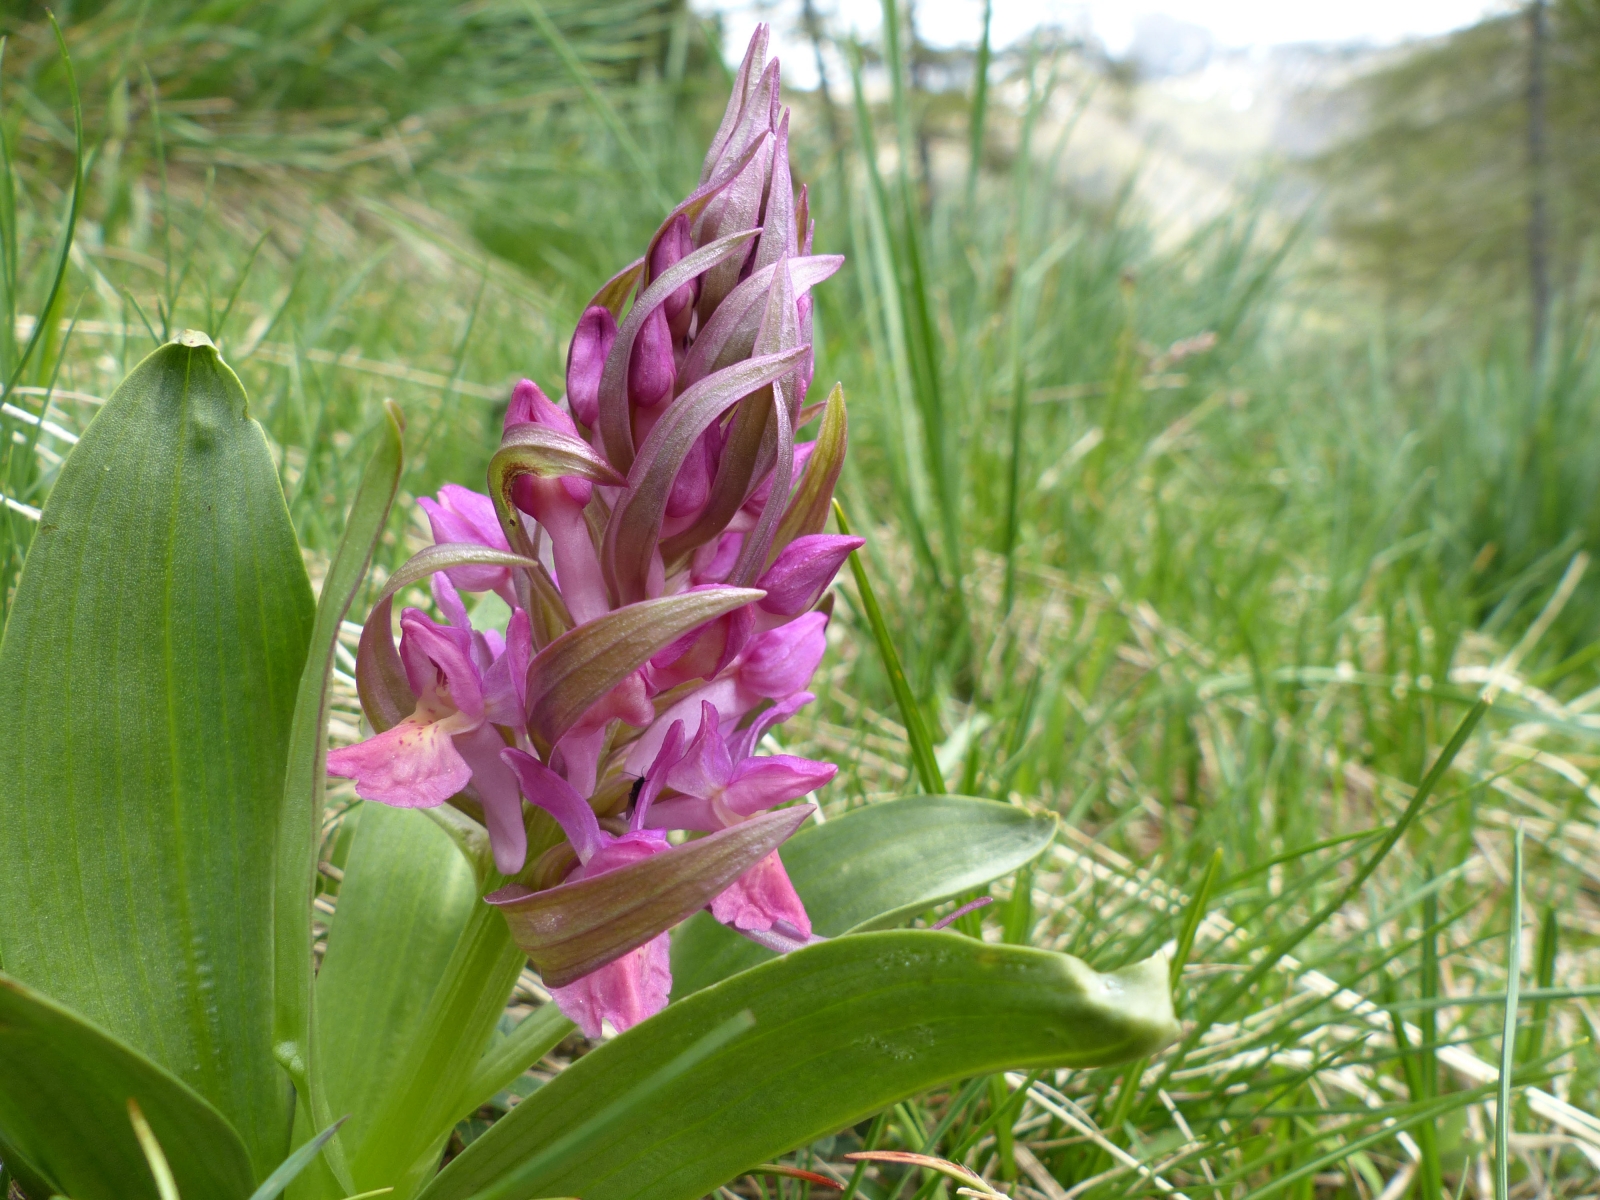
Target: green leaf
point(575, 928)
point(841, 1029)
point(873, 868)
point(64, 1092)
point(922, 755)
point(300, 818)
point(406, 899)
point(149, 673)
point(539, 1033)
point(289, 1169)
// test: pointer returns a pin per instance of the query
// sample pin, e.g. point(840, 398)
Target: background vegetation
point(1209, 547)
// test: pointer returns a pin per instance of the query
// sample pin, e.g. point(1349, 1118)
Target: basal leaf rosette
point(657, 536)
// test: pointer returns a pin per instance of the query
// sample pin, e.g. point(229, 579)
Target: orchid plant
point(603, 816)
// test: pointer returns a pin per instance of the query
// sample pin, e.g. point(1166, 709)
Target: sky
point(1236, 23)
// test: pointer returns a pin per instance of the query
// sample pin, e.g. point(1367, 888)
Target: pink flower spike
point(586, 359)
point(803, 570)
point(549, 791)
point(625, 992)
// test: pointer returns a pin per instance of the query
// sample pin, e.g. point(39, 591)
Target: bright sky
point(1243, 23)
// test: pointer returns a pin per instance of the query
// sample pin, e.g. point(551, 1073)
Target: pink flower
point(463, 515)
point(632, 988)
point(449, 741)
point(715, 790)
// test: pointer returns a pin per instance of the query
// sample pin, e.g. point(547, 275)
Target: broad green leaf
point(290, 1168)
point(149, 673)
point(841, 1029)
point(575, 928)
point(406, 899)
point(426, 1083)
point(64, 1091)
point(300, 819)
point(874, 868)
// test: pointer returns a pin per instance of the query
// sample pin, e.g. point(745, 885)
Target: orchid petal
point(769, 780)
point(656, 778)
point(652, 369)
point(803, 569)
point(705, 767)
point(496, 786)
point(586, 359)
point(743, 743)
point(761, 898)
point(435, 654)
point(544, 788)
point(783, 660)
point(415, 764)
point(386, 695)
point(624, 992)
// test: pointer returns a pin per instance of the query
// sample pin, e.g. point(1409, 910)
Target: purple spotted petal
point(413, 765)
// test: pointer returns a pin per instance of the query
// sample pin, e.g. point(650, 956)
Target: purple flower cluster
point(658, 538)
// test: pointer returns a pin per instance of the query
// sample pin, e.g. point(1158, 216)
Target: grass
point(1176, 541)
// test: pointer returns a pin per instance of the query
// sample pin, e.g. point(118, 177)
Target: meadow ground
point(1186, 544)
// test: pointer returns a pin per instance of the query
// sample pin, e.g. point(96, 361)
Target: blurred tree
point(1473, 176)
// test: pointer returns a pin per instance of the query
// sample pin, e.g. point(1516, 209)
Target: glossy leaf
point(300, 819)
point(539, 1033)
point(64, 1092)
point(841, 1029)
point(569, 675)
point(873, 868)
point(149, 674)
point(575, 928)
